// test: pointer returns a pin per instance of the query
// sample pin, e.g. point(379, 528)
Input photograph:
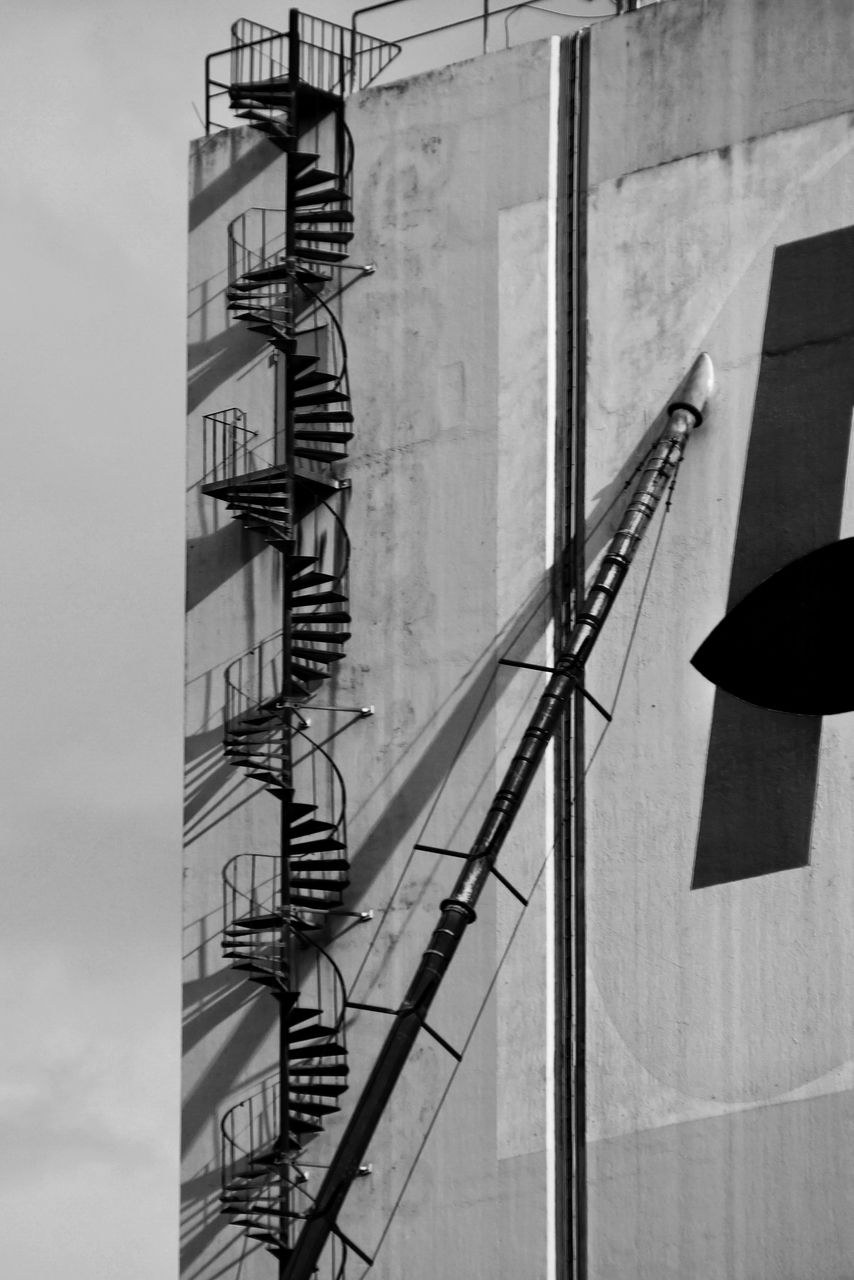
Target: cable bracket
point(535, 666)
point(455, 853)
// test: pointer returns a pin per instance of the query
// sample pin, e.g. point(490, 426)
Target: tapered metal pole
point(458, 911)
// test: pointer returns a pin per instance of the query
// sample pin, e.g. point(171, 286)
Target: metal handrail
point(225, 445)
point(331, 58)
point(339, 817)
point(484, 17)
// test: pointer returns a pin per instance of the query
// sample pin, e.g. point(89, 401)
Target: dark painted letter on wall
point(762, 765)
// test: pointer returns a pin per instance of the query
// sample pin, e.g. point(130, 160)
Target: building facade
point(436, 324)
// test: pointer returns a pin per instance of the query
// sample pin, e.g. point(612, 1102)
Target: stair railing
point(331, 58)
point(227, 450)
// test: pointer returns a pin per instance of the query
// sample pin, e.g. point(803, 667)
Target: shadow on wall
point(425, 781)
point(216, 359)
point(213, 788)
point(239, 171)
point(202, 1222)
point(225, 1069)
point(216, 557)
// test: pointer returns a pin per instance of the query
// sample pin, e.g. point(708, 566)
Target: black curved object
point(787, 645)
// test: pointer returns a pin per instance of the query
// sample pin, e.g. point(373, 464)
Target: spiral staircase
point(284, 273)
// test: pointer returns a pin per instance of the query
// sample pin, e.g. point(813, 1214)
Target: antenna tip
point(697, 389)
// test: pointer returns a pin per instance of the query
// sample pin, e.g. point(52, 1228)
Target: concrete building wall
point(450, 515)
point(720, 1054)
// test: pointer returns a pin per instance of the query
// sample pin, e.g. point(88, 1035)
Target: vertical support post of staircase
point(287, 388)
point(293, 48)
point(284, 1004)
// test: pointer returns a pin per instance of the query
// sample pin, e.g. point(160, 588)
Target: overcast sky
point(97, 113)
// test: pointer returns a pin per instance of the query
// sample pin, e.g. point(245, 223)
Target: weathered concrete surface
point(451, 520)
point(720, 1054)
point(713, 73)
point(233, 601)
point(451, 347)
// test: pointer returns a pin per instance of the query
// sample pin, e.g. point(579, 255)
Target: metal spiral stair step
point(263, 513)
point(297, 564)
point(262, 98)
point(333, 437)
point(320, 236)
point(301, 883)
point(314, 378)
point(298, 1052)
point(261, 716)
point(299, 161)
point(244, 737)
point(331, 637)
point(252, 923)
point(268, 1193)
point(319, 455)
point(336, 615)
point(262, 275)
point(303, 580)
point(314, 177)
point(321, 196)
point(322, 864)
point(303, 1107)
point(313, 827)
point(253, 742)
point(275, 531)
point(322, 215)
point(254, 1216)
point(313, 1089)
point(315, 655)
point(267, 707)
point(274, 85)
point(265, 489)
point(324, 1069)
point(256, 973)
point(260, 114)
point(332, 415)
point(267, 751)
point(309, 278)
point(300, 1034)
point(266, 776)
point(266, 1237)
point(300, 673)
point(316, 844)
point(330, 396)
point(248, 1182)
point(322, 255)
point(273, 1158)
point(322, 597)
point(299, 363)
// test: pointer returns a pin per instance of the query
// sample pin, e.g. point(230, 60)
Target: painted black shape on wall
point(762, 765)
point(788, 644)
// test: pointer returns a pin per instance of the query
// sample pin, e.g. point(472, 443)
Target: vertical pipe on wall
point(569, 587)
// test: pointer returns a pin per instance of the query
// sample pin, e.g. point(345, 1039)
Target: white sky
point(97, 114)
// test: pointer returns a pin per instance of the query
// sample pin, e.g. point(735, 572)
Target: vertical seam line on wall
point(570, 292)
point(554, 532)
point(581, 99)
point(563, 1207)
